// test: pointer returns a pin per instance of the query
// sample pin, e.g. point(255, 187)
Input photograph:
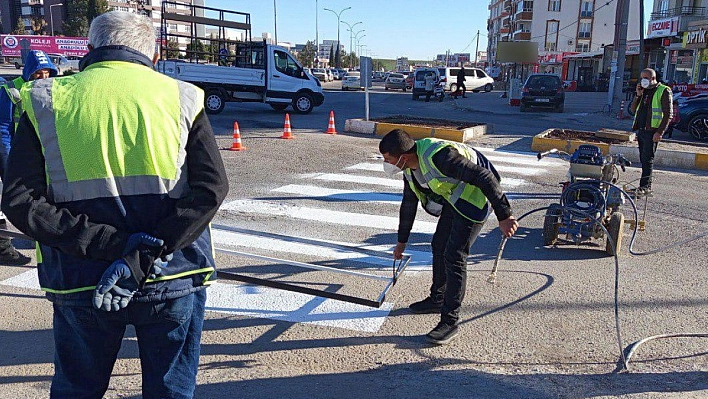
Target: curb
point(668, 158)
point(417, 132)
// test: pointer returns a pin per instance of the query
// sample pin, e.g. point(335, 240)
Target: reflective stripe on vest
point(114, 147)
point(12, 88)
point(657, 113)
point(451, 189)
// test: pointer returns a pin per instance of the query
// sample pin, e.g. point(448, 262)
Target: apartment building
point(676, 39)
point(561, 28)
point(55, 12)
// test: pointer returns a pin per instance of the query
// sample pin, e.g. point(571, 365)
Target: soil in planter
point(432, 122)
point(568, 134)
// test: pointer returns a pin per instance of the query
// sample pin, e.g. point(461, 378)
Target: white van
point(475, 79)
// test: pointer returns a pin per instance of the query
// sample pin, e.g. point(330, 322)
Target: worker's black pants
point(451, 244)
point(647, 151)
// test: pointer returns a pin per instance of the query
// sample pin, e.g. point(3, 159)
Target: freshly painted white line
point(511, 182)
point(374, 167)
point(419, 260)
point(520, 160)
point(323, 215)
point(341, 177)
point(269, 303)
point(520, 170)
point(330, 194)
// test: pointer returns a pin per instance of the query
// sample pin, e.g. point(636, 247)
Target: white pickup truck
point(264, 73)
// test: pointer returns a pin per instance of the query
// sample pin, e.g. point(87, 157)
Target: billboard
point(524, 52)
point(12, 45)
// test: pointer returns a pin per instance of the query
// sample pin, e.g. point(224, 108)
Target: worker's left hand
point(115, 289)
point(657, 137)
point(508, 226)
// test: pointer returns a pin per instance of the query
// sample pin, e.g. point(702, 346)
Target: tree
point(331, 56)
point(195, 50)
point(80, 14)
point(39, 26)
point(307, 55)
point(19, 27)
point(337, 61)
point(171, 49)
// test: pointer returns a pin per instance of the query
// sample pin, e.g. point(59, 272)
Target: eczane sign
point(662, 27)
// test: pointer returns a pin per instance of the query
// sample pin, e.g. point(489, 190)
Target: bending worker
point(118, 190)
point(452, 181)
point(37, 66)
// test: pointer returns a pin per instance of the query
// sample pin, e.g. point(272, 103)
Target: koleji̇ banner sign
point(12, 45)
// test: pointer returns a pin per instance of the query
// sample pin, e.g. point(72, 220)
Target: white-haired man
point(116, 174)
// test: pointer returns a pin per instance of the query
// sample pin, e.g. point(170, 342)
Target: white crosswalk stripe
point(324, 200)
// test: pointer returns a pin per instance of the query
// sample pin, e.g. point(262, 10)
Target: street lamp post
point(356, 38)
point(351, 27)
point(51, 15)
point(359, 46)
point(338, 14)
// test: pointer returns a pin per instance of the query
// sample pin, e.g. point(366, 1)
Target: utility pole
point(618, 60)
point(317, 36)
point(275, 22)
point(476, 49)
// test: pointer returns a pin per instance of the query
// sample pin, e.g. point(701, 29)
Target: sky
point(417, 29)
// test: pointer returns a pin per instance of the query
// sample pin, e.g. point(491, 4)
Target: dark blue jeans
point(647, 151)
point(451, 244)
point(87, 341)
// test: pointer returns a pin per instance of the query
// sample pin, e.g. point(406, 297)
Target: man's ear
point(154, 58)
point(90, 47)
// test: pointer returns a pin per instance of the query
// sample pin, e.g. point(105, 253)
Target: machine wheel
point(488, 87)
point(698, 127)
point(404, 89)
point(302, 103)
point(550, 224)
point(616, 229)
point(279, 106)
point(214, 102)
point(385, 88)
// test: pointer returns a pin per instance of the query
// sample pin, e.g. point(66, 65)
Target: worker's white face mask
point(391, 169)
point(645, 83)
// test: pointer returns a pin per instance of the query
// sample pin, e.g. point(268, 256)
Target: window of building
point(586, 9)
point(526, 5)
point(554, 5)
point(552, 35)
point(584, 29)
point(582, 47)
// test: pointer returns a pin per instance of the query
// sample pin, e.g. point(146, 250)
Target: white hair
point(125, 29)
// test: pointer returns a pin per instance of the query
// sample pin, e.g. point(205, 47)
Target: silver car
point(395, 81)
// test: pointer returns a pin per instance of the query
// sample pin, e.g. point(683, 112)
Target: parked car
point(330, 75)
point(542, 90)
point(409, 80)
point(352, 80)
point(419, 80)
point(693, 114)
point(64, 64)
point(395, 81)
point(340, 74)
point(475, 79)
point(319, 73)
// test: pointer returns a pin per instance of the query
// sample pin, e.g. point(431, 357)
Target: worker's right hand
point(115, 289)
point(138, 239)
point(640, 90)
point(398, 251)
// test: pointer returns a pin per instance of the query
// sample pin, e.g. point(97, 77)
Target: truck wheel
point(616, 229)
point(279, 107)
point(550, 224)
point(213, 102)
point(302, 103)
point(488, 87)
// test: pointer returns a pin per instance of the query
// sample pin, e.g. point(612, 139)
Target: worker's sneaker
point(427, 305)
point(11, 257)
point(443, 333)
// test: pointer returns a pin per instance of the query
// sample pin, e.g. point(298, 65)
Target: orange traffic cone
point(287, 132)
point(236, 146)
point(331, 128)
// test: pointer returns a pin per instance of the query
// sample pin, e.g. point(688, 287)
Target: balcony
point(679, 11)
point(504, 31)
point(522, 35)
point(525, 15)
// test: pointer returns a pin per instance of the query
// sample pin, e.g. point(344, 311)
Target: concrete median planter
point(664, 157)
point(419, 130)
